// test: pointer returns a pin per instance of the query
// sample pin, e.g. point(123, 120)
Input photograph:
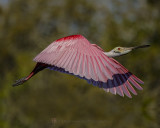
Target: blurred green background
point(53, 99)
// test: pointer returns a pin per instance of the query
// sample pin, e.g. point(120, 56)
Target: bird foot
point(19, 82)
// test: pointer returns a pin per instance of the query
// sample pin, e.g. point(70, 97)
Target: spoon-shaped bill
point(141, 46)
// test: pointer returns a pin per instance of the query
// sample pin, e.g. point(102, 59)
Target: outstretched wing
point(75, 55)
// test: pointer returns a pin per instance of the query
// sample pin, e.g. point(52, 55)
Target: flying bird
point(77, 56)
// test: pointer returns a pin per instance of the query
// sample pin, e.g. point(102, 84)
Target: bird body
point(77, 56)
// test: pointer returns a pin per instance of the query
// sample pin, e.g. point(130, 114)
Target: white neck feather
point(110, 54)
point(113, 54)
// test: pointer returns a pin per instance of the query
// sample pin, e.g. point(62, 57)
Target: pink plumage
point(76, 55)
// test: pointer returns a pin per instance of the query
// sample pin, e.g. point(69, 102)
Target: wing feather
point(130, 77)
point(75, 55)
point(112, 88)
point(109, 65)
point(75, 65)
point(100, 75)
point(119, 91)
point(135, 84)
point(125, 90)
point(94, 69)
point(60, 59)
point(127, 83)
point(87, 70)
point(84, 66)
point(73, 61)
point(137, 79)
point(131, 88)
point(79, 66)
point(105, 70)
point(102, 68)
point(65, 59)
point(118, 88)
point(70, 61)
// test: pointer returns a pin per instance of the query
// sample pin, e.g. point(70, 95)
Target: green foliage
point(53, 99)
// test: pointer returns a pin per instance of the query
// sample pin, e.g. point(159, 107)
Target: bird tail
point(38, 67)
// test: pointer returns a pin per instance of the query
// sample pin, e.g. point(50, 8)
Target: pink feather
point(78, 56)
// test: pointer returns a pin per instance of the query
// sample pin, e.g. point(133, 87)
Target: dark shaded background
point(53, 99)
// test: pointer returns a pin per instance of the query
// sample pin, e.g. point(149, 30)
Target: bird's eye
point(119, 48)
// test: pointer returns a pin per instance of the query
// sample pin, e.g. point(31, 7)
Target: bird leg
point(38, 67)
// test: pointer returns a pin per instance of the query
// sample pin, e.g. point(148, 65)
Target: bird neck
point(109, 54)
point(112, 54)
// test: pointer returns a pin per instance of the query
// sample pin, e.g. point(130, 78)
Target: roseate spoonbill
point(77, 56)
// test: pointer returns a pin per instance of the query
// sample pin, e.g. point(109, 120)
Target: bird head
point(118, 51)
